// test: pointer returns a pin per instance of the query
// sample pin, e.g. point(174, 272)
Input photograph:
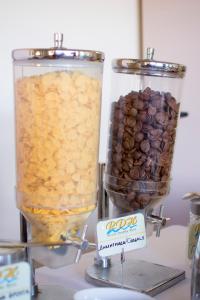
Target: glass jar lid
point(194, 198)
point(195, 207)
point(148, 66)
point(57, 52)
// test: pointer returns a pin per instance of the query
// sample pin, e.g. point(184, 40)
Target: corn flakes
point(57, 136)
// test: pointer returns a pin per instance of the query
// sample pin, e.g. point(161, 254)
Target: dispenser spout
point(158, 220)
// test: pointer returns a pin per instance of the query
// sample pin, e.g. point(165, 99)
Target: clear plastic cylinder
point(194, 227)
point(143, 122)
point(57, 104)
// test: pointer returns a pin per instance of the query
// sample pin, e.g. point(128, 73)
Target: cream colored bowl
point(109, 294)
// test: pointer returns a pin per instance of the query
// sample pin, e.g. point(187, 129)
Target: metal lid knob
point(150, 53)
point(58, 39)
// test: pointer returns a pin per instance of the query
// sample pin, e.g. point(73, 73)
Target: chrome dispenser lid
point(195, 207)
point(57, 52)
point(194, 198)
point(148, 66)
point(191, 196)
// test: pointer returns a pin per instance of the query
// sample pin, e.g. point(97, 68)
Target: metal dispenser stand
point(140, 276)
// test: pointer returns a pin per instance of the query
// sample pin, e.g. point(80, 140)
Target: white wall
point(110, 26)
point(172, 28)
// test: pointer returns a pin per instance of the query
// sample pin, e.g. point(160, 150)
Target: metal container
point(144, 113)
point(57, 102)
point(11, 255)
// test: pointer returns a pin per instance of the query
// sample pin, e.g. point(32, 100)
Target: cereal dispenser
point(57, 105)
point(145, 106)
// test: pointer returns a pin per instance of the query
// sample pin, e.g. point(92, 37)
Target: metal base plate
point(49, 292)
point(141, 276)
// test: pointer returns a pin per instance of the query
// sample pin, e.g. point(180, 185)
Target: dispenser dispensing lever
point(158, 220)
point(83, 244)
point(160, 224)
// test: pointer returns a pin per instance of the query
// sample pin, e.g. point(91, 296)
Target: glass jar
point(144, 113)
point(195, 276)
point(57, 104)
point(194, 226)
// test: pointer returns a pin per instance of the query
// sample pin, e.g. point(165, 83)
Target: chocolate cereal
point(141, 143)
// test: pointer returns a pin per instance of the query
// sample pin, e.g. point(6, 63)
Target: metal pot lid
point(148, 66)
point(57, 52)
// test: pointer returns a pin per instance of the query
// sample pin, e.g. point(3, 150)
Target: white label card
point(15, 282)
point(126, 233)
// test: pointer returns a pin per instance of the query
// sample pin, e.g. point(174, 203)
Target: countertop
point(169, 250)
